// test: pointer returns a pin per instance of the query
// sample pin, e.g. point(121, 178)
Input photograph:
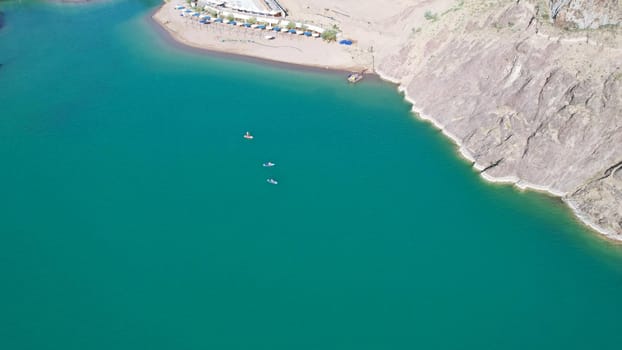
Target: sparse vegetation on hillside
point(430, 16)
point(457, 7)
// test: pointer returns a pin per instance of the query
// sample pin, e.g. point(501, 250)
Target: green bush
point(430, 16)
point(329, 35)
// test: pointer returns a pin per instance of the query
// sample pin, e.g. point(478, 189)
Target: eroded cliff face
point(598, 201)
point(528, 102)
point(584, 14)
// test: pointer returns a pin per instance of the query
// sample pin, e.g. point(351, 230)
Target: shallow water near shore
point(134, 215)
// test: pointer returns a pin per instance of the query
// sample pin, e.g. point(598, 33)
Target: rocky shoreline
point(538, 107)
point(529, 97)
point(527, 102)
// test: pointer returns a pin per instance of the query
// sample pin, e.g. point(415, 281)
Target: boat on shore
point(355, 77)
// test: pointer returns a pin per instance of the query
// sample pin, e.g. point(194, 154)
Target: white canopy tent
point(315, 28)
point(267, 20)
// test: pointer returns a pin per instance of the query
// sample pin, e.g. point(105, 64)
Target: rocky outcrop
point(528, 98)
point(599, 201)
point(584, 14)
point(527, 102)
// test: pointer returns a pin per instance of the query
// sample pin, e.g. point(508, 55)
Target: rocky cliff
point(584, 14)
point(528, 102)
point(530, 90)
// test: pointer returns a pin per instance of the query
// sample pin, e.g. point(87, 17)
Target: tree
point(230, 18)
point(329, 35)
point(252, 20)
point(291, 25)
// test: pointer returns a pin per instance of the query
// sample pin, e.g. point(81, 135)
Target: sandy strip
point(286, 48)
point(300, 52)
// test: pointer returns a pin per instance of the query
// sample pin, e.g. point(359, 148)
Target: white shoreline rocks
point(527, 98)
point(528, 103)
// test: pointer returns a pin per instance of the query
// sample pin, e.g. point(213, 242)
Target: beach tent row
point(272, 23)
point(273, 7)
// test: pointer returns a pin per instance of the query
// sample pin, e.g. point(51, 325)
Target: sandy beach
point(251, 42)
point(377, 30)
point(444, 56)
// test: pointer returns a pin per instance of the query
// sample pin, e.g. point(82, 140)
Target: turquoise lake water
point(134, 216)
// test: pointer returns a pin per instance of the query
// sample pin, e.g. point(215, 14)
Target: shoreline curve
point(176, 40)
point(514, 181)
